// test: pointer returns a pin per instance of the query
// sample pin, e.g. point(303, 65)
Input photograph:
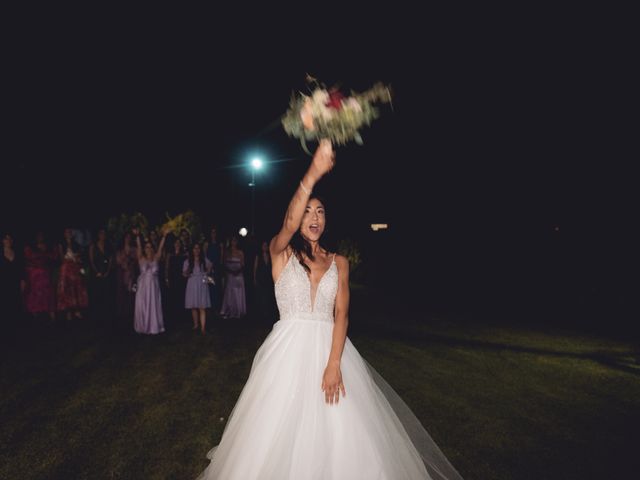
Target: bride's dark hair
point(301, 246)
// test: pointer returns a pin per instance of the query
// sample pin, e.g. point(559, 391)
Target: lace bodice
point(293, 293)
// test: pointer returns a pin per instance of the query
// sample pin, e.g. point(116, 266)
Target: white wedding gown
point(281, 428)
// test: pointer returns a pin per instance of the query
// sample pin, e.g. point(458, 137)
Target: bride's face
point(313, 221)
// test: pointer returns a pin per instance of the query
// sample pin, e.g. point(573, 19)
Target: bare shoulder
point(342, 263)
point(279, 258)
point(272, 251)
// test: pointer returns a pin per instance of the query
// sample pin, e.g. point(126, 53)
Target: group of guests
point(42, 279)
point(157, 279)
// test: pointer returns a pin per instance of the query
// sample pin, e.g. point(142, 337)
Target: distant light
point(243, 232)
point(556, 228)
point(379, 226)
point(256, 163)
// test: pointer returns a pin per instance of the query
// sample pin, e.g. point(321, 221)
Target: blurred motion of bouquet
point(327, 113)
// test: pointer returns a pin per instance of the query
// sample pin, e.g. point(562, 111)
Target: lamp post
point(256, 164)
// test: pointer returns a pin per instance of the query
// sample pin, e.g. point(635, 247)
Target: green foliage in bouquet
point(117, 226)
point(188, 221)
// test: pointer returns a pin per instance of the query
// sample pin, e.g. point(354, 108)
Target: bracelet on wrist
point(304, 189)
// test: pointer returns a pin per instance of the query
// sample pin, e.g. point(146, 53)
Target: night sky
point(501, 162)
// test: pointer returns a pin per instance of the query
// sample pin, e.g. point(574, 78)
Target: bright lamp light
point(256, 163)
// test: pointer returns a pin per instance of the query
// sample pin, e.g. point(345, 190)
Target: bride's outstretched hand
point(332, 384)
point(323, 159)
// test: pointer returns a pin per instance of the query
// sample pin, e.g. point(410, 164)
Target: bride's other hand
point(332, 384)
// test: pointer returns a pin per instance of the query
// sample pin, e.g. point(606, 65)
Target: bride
point(312, 408)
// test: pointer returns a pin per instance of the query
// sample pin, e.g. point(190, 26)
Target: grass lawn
point(502, 401)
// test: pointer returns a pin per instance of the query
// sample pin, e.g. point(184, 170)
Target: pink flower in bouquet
point(320, 97)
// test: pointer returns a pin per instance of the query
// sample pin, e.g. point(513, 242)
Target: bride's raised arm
point(323, 161)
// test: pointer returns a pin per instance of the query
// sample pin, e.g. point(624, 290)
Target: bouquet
point(188, 221)
point(327, 113)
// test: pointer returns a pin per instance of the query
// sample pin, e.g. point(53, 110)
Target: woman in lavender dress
point(197, 269)
point(234, 304)
point(148, 313)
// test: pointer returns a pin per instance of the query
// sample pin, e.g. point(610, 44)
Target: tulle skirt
point(281, 428)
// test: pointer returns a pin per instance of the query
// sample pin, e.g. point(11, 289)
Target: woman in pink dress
point(38, 286)
point(72, 287)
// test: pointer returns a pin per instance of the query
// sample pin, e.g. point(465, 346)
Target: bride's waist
point(307, 317)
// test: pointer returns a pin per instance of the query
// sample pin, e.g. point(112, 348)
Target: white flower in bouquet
point(352, 104)
point(320, 97)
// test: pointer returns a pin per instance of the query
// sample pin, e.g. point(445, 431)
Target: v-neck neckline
point(312, 300)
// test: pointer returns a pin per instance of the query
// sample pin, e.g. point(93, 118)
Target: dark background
point(503, 168)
